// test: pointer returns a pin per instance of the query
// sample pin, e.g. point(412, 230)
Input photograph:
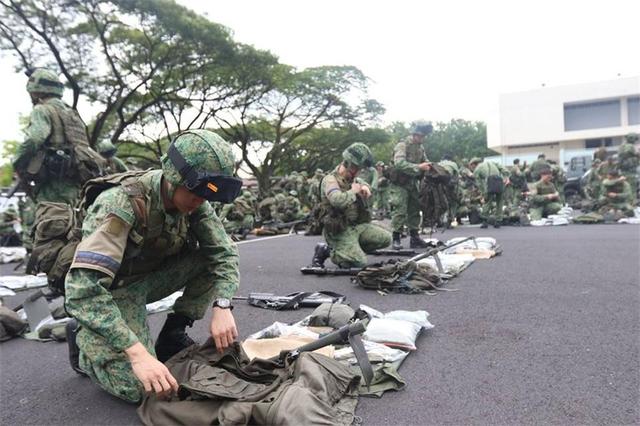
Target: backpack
point(434, 201)
point(495, 184)
point(395, 276)
point(57, 229)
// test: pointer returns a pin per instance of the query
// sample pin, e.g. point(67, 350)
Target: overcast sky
point(434, 60)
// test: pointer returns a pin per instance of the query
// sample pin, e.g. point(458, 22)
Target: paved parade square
point(546, 333)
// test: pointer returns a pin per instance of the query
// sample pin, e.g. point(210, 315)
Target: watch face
point(223, 303)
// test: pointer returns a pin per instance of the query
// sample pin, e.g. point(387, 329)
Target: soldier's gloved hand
point(223, 328)
point(154, 375)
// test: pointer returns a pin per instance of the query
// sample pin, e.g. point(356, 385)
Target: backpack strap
point(134, 189)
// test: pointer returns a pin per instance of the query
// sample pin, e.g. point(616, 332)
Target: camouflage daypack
point(434, 202)
point(57, 228)
point(395, 276)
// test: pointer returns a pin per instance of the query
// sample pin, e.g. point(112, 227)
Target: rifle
point(286, 225)
point(12, 190)
point(292, 301)
point(349, 333)
point(317, 270)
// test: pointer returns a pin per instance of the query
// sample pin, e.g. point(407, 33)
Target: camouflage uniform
point(492, 207)
point(239, 217)
point(112, 163)
point(120, 266)
point(454, 189)
point(313, 185)
point(44, 140)
point(616, 197)
point(629, 160)
point(541, 206)
point(8, 234)
point(535, 169)
point(349, 248)
point(404, 192)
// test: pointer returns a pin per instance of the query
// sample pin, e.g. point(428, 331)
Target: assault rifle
point(319, 270)
point(293, 300)
point(291, 226)
point(349, 333)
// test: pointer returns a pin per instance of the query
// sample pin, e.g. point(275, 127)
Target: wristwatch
point(222, 303)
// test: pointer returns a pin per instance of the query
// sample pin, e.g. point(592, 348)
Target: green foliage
point(322, 148)
point(9, 149)
point(459, 139)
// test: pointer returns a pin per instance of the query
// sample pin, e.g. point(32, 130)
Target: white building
point(567, 121)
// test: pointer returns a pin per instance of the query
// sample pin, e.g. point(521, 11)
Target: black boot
point(320, 254)
point(72, 329)
point(173, 338)
point(484, 225)
point(397, 244)
point(415, 241)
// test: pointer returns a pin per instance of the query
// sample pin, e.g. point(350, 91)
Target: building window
point(633, 106)
point(597, 143)
point(591, 115)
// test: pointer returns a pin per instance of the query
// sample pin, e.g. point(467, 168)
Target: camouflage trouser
point(539, 211)
point(349, 248)
point(111, 370)
point(381, 197)
point(406, 207)
point(492, 208)
point(234, 226)
point(632, 180)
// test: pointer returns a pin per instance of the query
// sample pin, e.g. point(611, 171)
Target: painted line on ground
point(263, 239)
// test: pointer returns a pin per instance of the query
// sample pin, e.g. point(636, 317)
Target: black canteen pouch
point(495, 184)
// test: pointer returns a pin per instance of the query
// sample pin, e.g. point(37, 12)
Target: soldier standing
point(48, 157)
point(134, 253)
point(490, 178)
point(628, 158)
point(346, 219)
point(409, 161)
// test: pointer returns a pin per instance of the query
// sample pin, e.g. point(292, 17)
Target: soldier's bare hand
point(154, 375)
point(356, 187)
point(424, 166)
point(365, 192)
point(223, 328)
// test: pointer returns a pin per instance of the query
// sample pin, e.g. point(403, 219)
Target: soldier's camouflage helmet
point(246, 193)
point(45, 81)
point(280, 198)
point(421, 128)
point(475, 160)
point(107, 149)
point(380, 164)
point(631, 137)
point(202, 149)
point(358, 154)
point(319, 171)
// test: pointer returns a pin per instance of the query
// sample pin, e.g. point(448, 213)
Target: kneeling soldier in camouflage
point(345, 213)
point(144, 239)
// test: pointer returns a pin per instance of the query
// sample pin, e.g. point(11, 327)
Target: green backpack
point(395, 276)
point(57, 229)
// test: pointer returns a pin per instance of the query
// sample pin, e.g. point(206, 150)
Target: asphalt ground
point(546, 333)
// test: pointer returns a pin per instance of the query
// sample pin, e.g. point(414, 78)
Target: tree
point(152, 67)
point(267, 128)
point(322, 147)
point(459, 139)
point(9, 149)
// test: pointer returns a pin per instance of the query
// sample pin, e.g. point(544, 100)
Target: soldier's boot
point(320, 255)
point(415, 241)
point(71, 329)
point(484, 225)
point(396, 244)
point(173, 338)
